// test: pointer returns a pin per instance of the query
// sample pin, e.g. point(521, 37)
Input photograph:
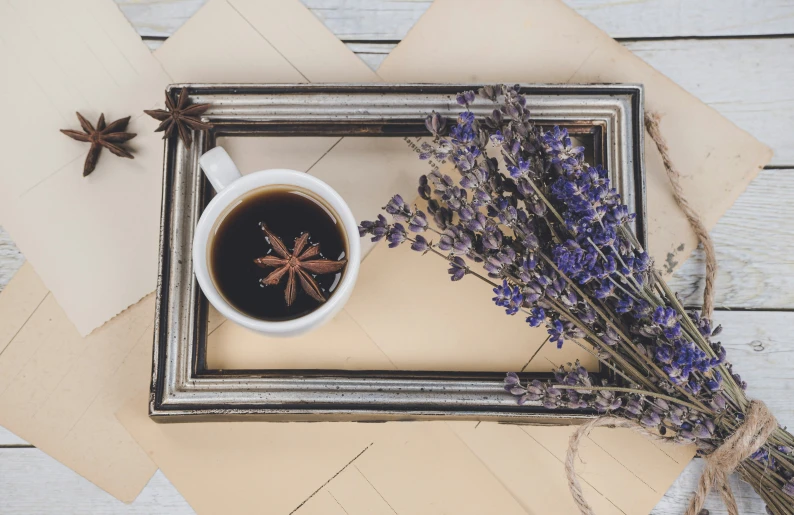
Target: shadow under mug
point(230, 186)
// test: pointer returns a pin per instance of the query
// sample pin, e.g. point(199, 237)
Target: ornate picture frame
point(184, 388)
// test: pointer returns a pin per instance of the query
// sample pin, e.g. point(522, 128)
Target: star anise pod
point(104, 136)
point(180, 117)
point(298, 265)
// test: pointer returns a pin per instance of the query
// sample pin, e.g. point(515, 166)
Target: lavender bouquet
point(554, 240)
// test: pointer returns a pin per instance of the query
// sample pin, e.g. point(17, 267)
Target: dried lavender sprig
point(406, 214)
point(429, 247)
point(585, 236)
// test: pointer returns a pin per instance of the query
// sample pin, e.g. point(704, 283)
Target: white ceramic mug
point(231, 186)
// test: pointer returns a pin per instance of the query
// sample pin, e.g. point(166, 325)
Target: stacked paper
point(93, 244)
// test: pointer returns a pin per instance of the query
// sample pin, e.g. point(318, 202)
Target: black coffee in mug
point(278, 253)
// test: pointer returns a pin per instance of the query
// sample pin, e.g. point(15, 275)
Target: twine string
point(652, 126)
point(759, 422)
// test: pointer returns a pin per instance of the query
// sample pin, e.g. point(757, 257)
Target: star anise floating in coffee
point(298, 265)
point(180, 117)
point(103, 136)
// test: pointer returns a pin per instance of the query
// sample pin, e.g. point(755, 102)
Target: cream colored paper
point(59, 390)
point(413, 468)
point(420, 467)
point(62, 57)
point(546, 41)
point(620, 471)
point(94, 240)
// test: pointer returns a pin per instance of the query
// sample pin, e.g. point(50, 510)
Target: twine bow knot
point(758, 425)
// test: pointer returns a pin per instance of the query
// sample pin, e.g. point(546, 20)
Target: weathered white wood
point(392, 19)
point(9, 438)
point(33, 483)
point(676, 499)
point(761, 347)
point(371, 53)
point(10, 258)
point(746, 80)
point(755, 249)
point(159, 17)
point(670, 18)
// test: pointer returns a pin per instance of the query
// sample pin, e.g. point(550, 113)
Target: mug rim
point(225, 198)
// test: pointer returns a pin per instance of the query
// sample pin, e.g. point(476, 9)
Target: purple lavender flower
point(556, 331)
point(397, 208)
point(718, 403)
point(396, 235)
point(492, 238)
point(537, 317)
point(442, 216)
point(420, 244)
point(489, 92)
point(667, 318)
point(457, 268)
point(533, 292)
point(650, 418)
point(511, 380)
point(610, 336)
point(435, 124)
point(466, 98)
point(624, 304)
point(521, 169)
point(557, 236)
point(508, 297)
point(634, 407)
point(664, 354)
point(538, 207)
point(715, 382)
point(455, 240)
point(424, 188)
point(418, 222)
point(701, 431)
point(604, 290)
point(477, 223)
point(378, 229)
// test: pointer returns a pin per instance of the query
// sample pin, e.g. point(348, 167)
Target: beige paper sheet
point(59, 390)
point(547, 41)
point(427, 467)
point(92, 240)
point(412, 467)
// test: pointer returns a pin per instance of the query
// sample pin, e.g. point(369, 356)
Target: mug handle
point(219, 168)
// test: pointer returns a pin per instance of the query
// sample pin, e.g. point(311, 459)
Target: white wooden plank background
point(735, 55)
